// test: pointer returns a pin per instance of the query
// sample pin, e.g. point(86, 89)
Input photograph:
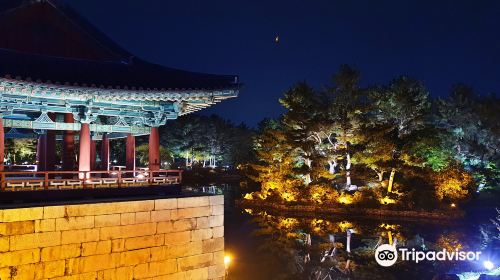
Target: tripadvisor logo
point(387, 255)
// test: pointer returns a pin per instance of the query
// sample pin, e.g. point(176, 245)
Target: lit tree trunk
point(348, 171)
point(391, 180)
point(307, 179)
point(332, 164)
point(348, 241)
point(380, 175)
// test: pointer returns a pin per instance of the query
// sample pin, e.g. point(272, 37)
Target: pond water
point(270, 245)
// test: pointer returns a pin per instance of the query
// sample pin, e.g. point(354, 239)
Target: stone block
point(107, 220)
point(120, 273)
point(216, 221)
point(99, 262)
point(60, 252)
point(175, 251)
point(79, 236)
point(176, 238)
point(217, 210)
point(34, 240)
point(194, 262)
point(218, 231)
point(142, 217)
point(45, 225)
point(216, 271)
point(27, 271)
point(83, 276)
point(70, 223)
point(135, 257)
point(201, 234)
point(160, 215)
point(218, 257)
point(117, 245)
point(22, 214)
point(52, 212)
point(53, 269)
point(202, 223)
point(183, 225)
point(16, 228)
point(196, 274)
point(4, 244)
point(165, 204)
point(127, 231)
point(188, 202)
point(216, 200)
point(96, 248)
point(109, 208)
point(192, 212)
point(212, 245)
point(164, 227)
point(154, 269)
point(144, 242)
point(20, 257)
point(127, 218)
point(175, 226)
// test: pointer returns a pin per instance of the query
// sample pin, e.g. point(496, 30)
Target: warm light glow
point(345, 199)
point(248, 196)
point(288, 196)
point(344, 225)
point(288, 223)
point(387, 200)
point(227, 261)
point(453, 205)
point(388, 226)
point(488, 265)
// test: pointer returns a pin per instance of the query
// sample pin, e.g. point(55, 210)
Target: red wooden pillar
point(93, 154)
point(84, 158)
point(154, 150)
point(2, 143)
point(68, 148)
point(130, 152)
point(50, 147)
point(105, 152)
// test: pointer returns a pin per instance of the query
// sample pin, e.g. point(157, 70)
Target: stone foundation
point(176, 238)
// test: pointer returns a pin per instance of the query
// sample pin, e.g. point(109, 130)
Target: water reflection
point(340, 248)
point(270, 245)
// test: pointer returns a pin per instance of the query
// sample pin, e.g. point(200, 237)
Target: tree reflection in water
point(287, 252)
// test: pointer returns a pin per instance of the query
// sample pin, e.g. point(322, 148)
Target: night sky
point(437, 42)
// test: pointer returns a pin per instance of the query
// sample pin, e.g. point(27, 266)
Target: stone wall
point(176, 238)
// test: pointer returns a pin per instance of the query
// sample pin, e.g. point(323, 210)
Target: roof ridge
point(77, 22)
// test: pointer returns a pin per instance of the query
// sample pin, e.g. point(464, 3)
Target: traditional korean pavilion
point(62, 79)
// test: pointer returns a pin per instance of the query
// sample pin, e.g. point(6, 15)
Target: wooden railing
point(63, 180)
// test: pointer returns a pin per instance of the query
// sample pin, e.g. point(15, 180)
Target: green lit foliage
point(393, 136)
point(399, 113)
point(207, 141)
point(19, 151)
point(142, 153)
point(276, 161)
point(453, 184)
point(472, 123)
point(300, 125)
point(345, 114)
